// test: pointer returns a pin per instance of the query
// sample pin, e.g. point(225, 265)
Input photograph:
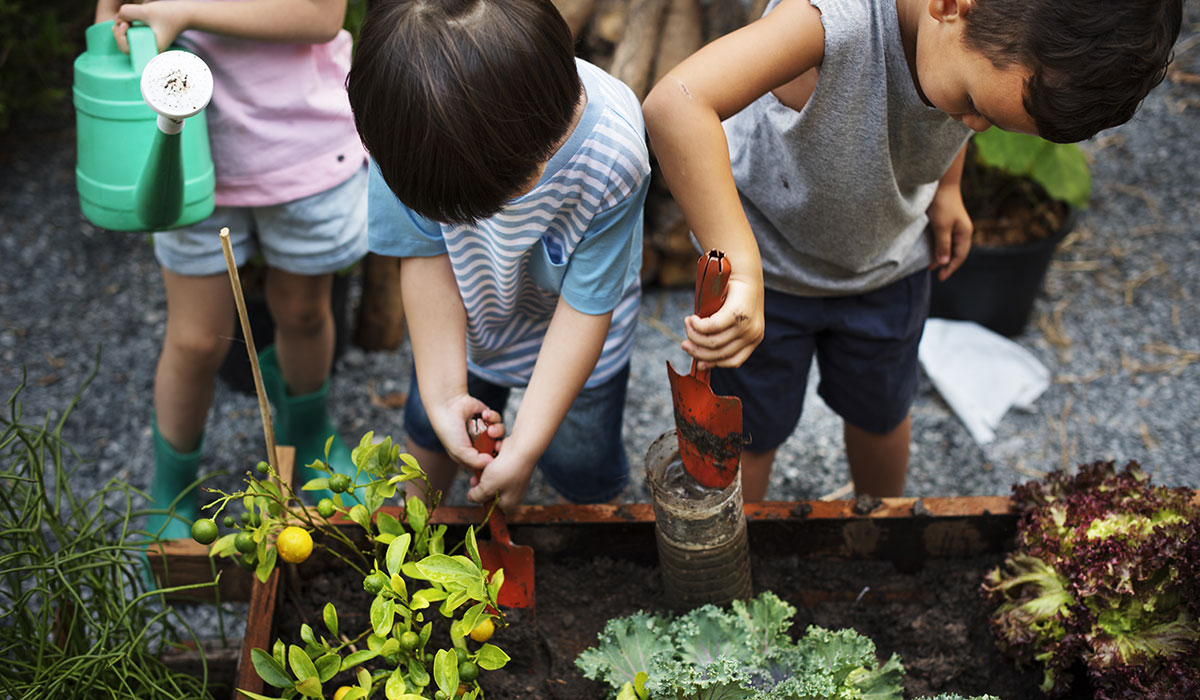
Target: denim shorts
point(866, 348)
point(585, 461)
point(313, 235)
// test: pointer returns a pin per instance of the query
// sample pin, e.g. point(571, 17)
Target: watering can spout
point(176, 85)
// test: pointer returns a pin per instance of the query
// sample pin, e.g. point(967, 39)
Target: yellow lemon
point(294, 544)
point(483, 631)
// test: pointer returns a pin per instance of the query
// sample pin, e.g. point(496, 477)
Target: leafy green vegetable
point(1106, 574)
point(740, 653)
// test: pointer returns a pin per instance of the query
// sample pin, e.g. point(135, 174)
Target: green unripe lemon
point(409, 640)
point(468, 671)
point(338, 483)
point(325, 508)
point(374, 582)
point(263, 467)
point(204, 531)
point(229, 521)
point(244, 543)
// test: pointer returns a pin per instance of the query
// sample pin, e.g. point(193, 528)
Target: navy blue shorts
point(585, 461)
point(866, 347)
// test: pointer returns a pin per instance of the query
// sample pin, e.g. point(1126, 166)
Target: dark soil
point(932, 617)
point(1008, 211)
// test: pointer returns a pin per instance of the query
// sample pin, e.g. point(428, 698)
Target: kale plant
point(1106, 576)
point(743, 652)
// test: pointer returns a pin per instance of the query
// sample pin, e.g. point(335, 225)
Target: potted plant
point(430, 607)
point(1023, 194)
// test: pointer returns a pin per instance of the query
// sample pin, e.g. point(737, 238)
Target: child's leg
point(304, 328)
point(869, 377)
point(878, 462)
point(199, 328)
point(756, 474)
point(771, 384)
point(586, 461)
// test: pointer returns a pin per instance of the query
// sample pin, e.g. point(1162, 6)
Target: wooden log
point(722, 17)
point(381, 313)
point(609, 20)
point(634, 55)
point(576, 13)
point(682, 35)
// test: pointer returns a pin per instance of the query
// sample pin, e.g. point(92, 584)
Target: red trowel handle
point(477, 431)
point(712, 278)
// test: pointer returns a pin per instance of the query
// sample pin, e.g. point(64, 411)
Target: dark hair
point(1092, 61)
point(460, 102)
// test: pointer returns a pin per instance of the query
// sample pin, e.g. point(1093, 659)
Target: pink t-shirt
point(279, 121)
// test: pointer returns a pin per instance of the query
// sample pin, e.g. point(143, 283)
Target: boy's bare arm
point(683, 117)
point(437, 327)
point(949, 221)
point(283, 21)
point(568, 355)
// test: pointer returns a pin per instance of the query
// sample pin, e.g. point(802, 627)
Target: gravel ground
point(1117, 325)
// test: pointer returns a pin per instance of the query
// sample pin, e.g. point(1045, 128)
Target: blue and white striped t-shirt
point(577, 234)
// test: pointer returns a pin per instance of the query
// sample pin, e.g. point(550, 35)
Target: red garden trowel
point(709, 427)
point(499, 552)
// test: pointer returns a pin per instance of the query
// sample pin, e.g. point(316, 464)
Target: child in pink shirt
point(291, 185)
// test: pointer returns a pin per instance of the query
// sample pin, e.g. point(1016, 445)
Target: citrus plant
point(420, 583)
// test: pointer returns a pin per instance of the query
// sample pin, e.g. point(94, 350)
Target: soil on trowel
point(934, 618)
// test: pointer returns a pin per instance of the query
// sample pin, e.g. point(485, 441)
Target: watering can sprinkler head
point(176, 85)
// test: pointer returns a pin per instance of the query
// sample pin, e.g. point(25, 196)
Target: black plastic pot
point(235, 372)
point(996, 286)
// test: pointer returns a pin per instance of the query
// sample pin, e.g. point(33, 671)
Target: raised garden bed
point(905, 574)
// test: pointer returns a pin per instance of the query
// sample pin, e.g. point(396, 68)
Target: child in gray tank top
point(821, 148)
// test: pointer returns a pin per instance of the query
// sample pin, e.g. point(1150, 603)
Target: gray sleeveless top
point(836, 193)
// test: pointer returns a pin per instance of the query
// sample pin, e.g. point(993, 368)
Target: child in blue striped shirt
point(509, 177)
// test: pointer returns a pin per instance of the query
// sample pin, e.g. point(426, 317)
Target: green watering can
point(137, 168)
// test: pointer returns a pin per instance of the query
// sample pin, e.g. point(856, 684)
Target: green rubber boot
point(303, 422)
point(173, 474)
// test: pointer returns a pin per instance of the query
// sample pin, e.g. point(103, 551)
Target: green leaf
point(445, 671)
point(254, 696)
point(355, 694)
point(441, 568)
point(321, 483)
point(389, 525)
point(266, 564)
point(306, 634)
point(310, 688)
point(383, 613)
point(627, 693)
point(391, 646)
point(1061, 169)
point(396, 552)
point(302, 666)
point(399, 587)
point(473, 547)
point(224, 546)
point(269, 669)
point(328, 666)
point(417, 672)
point(410, 570)
point(364, 679)
point(360, 515)
point(375, 642)
point(452, 602)
point(625, 648)
point(395, 688)
point(331, 619)
point(416, 513)
point(471, 618)
point(491, 657)
point(357, 658)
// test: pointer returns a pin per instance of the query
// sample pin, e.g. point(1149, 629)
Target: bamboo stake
point(264, 408)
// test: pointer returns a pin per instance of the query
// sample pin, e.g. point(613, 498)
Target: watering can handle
point(143, 46)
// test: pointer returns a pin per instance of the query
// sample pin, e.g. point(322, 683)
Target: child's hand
point(508, 474)
point(167, 19)
point(727, 338)
point(951, 227)
point(449, 421)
